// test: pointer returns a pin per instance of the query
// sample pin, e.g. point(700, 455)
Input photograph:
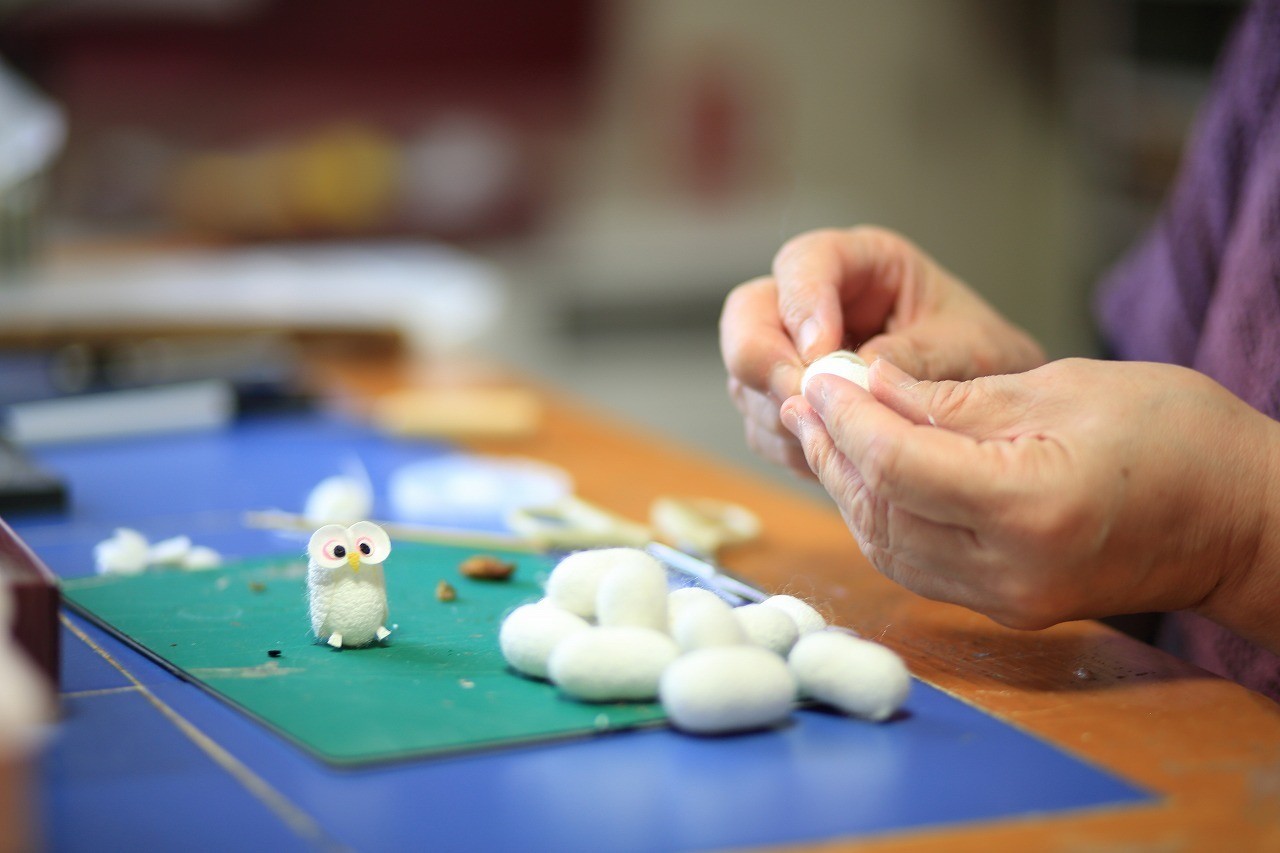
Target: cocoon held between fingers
point(842, 363)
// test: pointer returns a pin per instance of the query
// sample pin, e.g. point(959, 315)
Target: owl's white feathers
point(346, 589)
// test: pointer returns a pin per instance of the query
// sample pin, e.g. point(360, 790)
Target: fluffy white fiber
point(861, 678)
point(727, 689)
point(806, 618)
point(632, 591)
point(612, 664)
point(125, 553)
point(715, 668)
point(769, 627)
point(128, 552)
point(532, 631)
point(706, 624)
point(575, 580)
point(341, 499)
point(688, 596)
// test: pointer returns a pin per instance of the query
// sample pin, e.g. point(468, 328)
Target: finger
point(947, 347)
point(756, 348)
point(983, 409)
point(778, 449)
point(834, 284)
point(930, 348)
point(939, 561)
point(938, 474)
point(757, 408)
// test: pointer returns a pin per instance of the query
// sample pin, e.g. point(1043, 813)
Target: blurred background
point(599, 172)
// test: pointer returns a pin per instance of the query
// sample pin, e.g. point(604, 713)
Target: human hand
point(864, 288)
point(1080, 489)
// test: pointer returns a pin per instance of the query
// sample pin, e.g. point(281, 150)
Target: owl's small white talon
point(382, 632)
point(335, 640)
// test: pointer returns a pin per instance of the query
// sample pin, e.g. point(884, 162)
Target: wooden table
point(1208, 747)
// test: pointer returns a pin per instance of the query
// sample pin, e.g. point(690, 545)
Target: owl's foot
point(335, 640)
point(382, 633)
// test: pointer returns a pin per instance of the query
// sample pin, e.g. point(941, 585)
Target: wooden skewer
point(276, 520)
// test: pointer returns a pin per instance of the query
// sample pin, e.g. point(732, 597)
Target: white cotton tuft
point(169, 552)
point(768, 627)
point(727, 689)
point(806, 618)
point(201, 557)
point(861, 678)
point(687, 596)
point(706, 624)
point(530, 634)
point(611, 664)
point(575, 580)
point(842, 363)
point(125, 553)
point(633, 591)
point(340, 499)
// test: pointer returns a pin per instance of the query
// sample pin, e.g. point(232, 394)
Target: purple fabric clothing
point(1203, 287)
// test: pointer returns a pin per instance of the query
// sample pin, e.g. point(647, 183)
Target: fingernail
point(815, 393)
point(810, 331)
point(790, 420)
point(892, 374)
point(784, 380)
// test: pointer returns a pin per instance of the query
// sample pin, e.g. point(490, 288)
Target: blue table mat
point(117, 770)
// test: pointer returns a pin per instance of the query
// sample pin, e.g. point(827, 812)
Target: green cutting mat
point(438, 686)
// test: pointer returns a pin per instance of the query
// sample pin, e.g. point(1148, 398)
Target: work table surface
point(1208, 748)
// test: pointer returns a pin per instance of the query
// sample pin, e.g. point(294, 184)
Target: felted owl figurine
point(346, 589)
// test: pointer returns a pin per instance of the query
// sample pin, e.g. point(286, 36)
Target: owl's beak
point(354, 559)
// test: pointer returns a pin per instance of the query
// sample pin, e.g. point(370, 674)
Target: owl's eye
point(370, 540)
point(329, 546)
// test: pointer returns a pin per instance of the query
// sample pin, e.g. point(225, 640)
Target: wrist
point(1246, 599)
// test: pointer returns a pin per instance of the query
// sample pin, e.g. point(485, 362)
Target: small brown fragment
point(257, 586)
point(486, 567)
point(445, 591)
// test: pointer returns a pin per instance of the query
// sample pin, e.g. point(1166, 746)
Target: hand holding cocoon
point(768, 627)
point(611, 664)
point(705, 624)
point(806, 618)
point(842, 363)
point(861, 678)
point(727, 689)
point(633, 591)
point(531, 632)
point(575, 581)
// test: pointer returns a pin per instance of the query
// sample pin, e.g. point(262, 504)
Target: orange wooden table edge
point(1208, 748)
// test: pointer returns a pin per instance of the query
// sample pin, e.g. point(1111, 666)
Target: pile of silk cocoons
point(609, 630)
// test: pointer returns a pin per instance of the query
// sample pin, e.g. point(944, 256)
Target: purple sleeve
point(1154, 304)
